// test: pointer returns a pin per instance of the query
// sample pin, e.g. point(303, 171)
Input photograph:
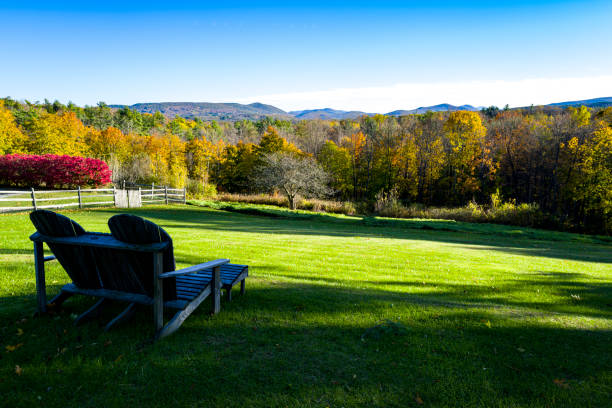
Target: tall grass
point(498, 212)
point(312, 204)
point(388, 205)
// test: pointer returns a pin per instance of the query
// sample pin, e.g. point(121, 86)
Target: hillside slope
point(255, 111)
point(210, 111)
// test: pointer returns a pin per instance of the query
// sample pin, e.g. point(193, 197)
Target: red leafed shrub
point(52, 171)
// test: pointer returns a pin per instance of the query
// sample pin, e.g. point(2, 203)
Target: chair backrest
point(78, 262)
point(133, 271)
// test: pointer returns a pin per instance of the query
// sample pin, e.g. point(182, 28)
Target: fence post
point(80, 200)
point(33, 198)
point(152, 190)
point(114, 197)
point(184, 195)
point(166, 193)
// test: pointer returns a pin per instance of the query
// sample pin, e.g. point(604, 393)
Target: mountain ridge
point(230, 111)
point(210, 110)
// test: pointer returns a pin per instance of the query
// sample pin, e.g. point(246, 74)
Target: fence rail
point(33, 199)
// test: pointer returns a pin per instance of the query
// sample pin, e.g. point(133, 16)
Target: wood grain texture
point(39, 266)
point(216, 290)
point(158, 292)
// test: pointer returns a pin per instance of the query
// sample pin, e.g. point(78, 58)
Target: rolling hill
point(443, 107)
point(327, 113)
point(589, 103)
point(210, 111)
point(255, 111)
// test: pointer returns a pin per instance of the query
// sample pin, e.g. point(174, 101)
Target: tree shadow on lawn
point(304, 345)
point(512, 240)
point(593, 298)
point(16, 251)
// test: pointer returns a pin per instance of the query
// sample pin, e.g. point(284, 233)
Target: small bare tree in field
point(294, 176)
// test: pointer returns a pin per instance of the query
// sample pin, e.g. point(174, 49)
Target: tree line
point(559, 159)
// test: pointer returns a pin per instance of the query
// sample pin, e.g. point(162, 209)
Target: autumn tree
point(108, 142)
point(12, 140)
point(465, 135)
point(355, 145)
point(513, 140)
point(236, 164)
point(595, 190)
point(336, 161)
point(60, 134)
point(200, 157)
point(427, 133)
point(272, 142)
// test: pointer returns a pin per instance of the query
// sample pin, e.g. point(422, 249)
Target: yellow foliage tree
point(589, 176)
point(109, 142)
point(404, 160)
point(58, 134)
point(355, 145)
point(336, 161)
point(465, 133)
point(200, 155)
point(272, 142)
point(12, 140)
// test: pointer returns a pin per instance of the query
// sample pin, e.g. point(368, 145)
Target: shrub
point(388, 205)
point(199, 190)
point(266, 199)
point(52, 171)
point(313, 204)
point(329, 206)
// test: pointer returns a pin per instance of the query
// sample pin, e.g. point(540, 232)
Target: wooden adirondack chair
point(134, 264)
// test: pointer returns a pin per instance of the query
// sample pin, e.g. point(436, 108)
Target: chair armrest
point(49, 258)
point(194, 269)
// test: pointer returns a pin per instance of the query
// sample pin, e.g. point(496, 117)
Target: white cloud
point(382, 99)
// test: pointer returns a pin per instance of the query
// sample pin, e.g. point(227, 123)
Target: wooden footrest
point(231, 274)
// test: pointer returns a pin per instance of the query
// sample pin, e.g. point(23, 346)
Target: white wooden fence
point(165, 195)
point(28, 200)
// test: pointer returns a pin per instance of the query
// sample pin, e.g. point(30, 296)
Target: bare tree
point(311, 135)
point(292, 175)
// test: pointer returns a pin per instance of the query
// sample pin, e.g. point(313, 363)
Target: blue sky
point(372, 56)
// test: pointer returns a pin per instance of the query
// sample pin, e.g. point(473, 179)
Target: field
point(338, 312)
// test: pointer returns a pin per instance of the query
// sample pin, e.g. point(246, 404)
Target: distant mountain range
point(589, 103)
point(327, 113)
point(210, 111)
point(255, 111)
point(443, 107)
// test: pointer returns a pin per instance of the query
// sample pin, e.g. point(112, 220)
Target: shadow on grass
point(16, 251)
point(511, 240)
point(304, 345)
point(592, 299)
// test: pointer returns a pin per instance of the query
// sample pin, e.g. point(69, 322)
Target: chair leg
point(242, 284)
point(178, 319)
point(127, 314)
point(39, 266)
point(60, 298)
point(92, 312)
point(229, 293)
point(216, 290)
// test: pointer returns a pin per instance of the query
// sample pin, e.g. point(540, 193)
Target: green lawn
point(338, 312)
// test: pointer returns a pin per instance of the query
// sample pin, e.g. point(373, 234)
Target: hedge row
point(52, 171)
